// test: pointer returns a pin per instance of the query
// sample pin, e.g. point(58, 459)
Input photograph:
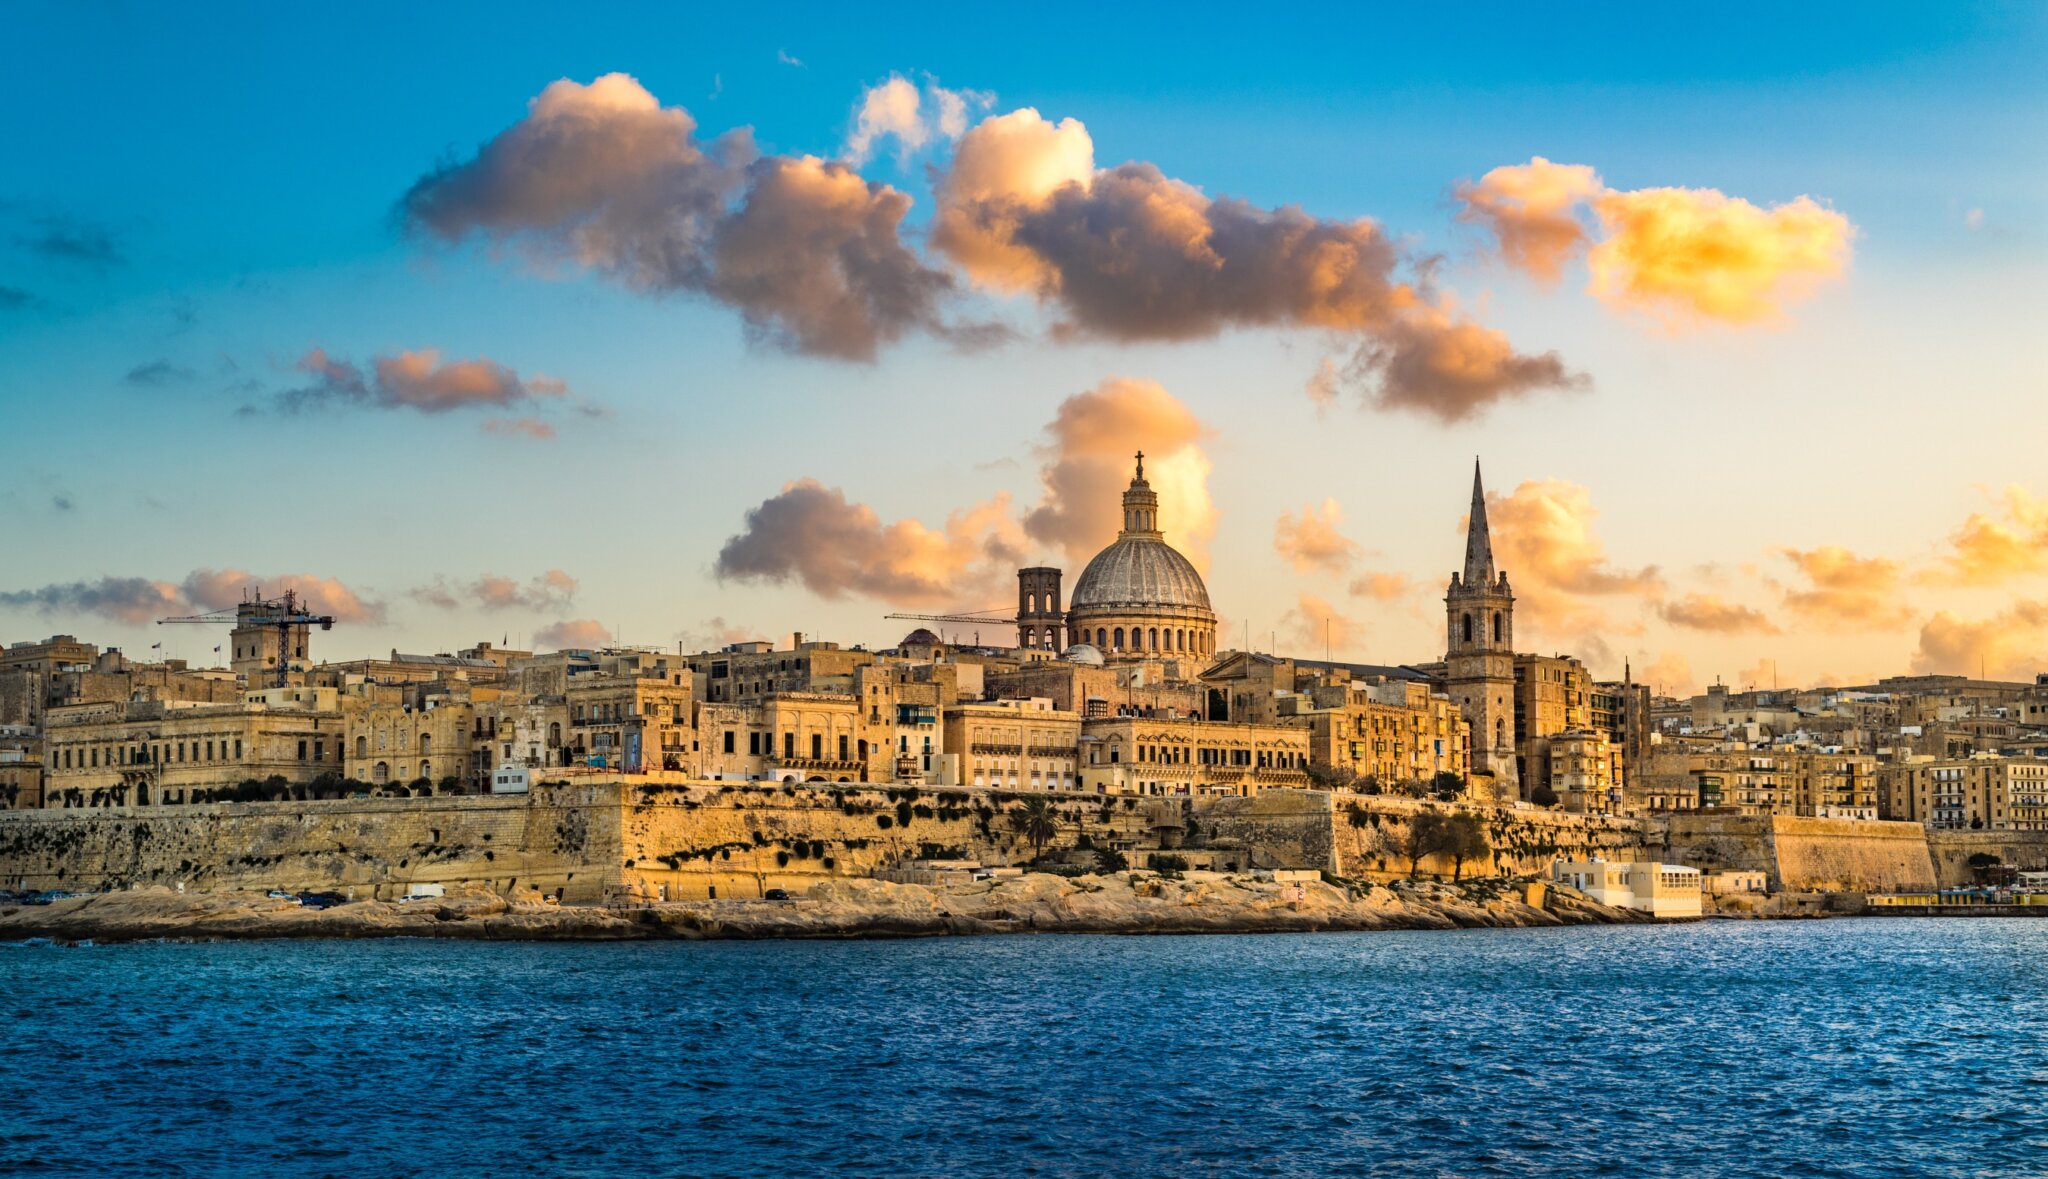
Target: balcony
point(815, 765)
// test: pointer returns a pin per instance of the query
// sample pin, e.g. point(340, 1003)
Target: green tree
point(1329, 777)
point(1428, 834)
point(1447, 785)
point(1543, 796)
point(1037, 820)
point(1465, 839)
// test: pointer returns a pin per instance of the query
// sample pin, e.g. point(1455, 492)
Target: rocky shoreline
point(850, 908)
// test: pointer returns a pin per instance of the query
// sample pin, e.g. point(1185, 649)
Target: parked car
point(776, 894)
point(321, 900)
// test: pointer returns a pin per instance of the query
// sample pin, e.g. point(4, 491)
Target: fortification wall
point(1370, 835)
point(664, 836)
point(683, 841)
point(2025, 850)
point(560, 838)
point(1804, 855)
point(1276, 828)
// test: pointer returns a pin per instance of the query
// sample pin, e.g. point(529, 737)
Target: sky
point(680, 325)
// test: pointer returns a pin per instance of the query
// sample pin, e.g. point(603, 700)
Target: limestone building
point(1385, 731)
point(1973, 793)
point(150, 752)
point(1479, 663)
point(1166, 755)
point(1014, 744)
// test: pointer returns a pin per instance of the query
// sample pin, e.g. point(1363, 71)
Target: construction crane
point(281, 613)
point(995, 617)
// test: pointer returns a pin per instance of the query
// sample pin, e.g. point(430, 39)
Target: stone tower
point(1040, 620)
point(1479, 662)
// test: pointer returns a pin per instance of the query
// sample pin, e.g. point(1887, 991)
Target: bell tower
point(1040, 618)
point(1479, 660)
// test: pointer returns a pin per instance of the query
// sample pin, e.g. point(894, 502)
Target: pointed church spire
point(1478, 542)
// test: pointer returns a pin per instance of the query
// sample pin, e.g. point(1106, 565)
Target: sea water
point(1844, 1047)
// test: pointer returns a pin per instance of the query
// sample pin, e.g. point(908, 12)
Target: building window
point(728, 740)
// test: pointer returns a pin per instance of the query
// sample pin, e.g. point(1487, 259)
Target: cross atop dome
point(1141, 468)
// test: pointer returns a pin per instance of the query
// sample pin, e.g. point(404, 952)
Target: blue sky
point(220, 191)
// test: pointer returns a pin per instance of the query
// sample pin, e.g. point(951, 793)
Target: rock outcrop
point(850, 908)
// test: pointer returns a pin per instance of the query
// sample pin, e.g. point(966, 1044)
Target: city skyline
point(879, 359)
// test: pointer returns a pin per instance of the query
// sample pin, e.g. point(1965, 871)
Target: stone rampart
point(1370, 838)
point(561, 838)
point(659, 836)
point(2025, 850)
point(1804, 855)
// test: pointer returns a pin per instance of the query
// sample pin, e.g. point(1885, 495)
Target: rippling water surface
point(1866, 1047)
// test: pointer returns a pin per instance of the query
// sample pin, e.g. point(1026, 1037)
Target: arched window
point(555, 735)
point(426, 770)
point(1101, 637)
point(381, 774)
point(426, 743)
point(362, 747)
point(1496, 626)
point(1030, 603)
point(1117, 638)
point(1468, 628)
point(1152, 638)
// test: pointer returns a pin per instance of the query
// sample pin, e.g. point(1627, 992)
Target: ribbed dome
point(1139, 571)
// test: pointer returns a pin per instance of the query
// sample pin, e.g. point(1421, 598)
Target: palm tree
point(1036, 820)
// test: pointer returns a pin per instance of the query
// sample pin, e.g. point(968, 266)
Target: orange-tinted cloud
point(1687, 255)
point(1314, 625)
point(1128, 253)
point(714, 634)
point(221, 589)
point(1845, 592)
point(1990, 551)
point(1314, 541)
point(1088, 464)
point(1684, 255)
point(137, 600)
point(552, 590)
point(604, 177)
point(2006, 646)
point(1383, 587)
point(813, 535)
point(1543, 536)
point(130, 600)
point(417, 379)
point(578, 634)
point(532, 428)
point(1669, 674)
point(1711, 613)
point(1532, 210)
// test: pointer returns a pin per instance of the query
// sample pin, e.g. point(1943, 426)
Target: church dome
point(1139, 571)
point(1139, 597)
